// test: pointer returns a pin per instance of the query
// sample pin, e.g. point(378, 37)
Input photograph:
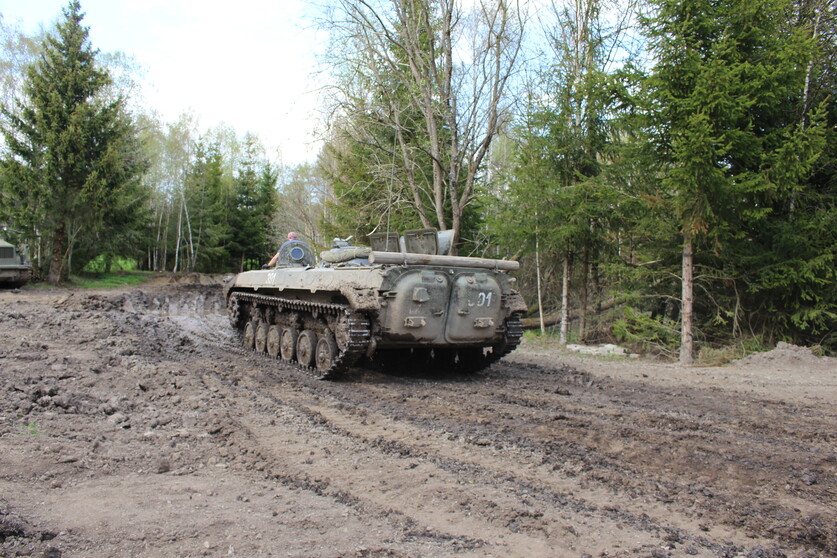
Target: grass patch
point(110, 280)
point(30, 430)
point(551, 339)
point(718, 356)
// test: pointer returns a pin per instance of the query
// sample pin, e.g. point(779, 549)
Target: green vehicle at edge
point(15, 269)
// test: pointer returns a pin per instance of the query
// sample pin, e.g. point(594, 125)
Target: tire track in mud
point(474, 460)
point(291, 444)
point(805, 516)
point(421, 481)
point(542, 457)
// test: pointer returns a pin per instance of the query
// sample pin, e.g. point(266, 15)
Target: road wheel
point(306, 347)
point(287, 345)
point(274, 339)
point(248, 338)
point(260, 340)
point(326, 352)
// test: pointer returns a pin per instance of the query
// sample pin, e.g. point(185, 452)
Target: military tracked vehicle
point(15, 269)
point(401, 302)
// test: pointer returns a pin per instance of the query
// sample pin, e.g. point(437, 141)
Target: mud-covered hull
point(462, 318)
point(442, 307)
point(14, 276)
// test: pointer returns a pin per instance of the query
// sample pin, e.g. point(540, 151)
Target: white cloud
point(249, 64)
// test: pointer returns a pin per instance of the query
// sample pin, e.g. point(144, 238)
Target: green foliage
point(72, 167)
point(209, 202)
point(562, 198)
point(103, 264)
point(647, 334)
point(363, 201)
point(724, 92)
point(741, 145)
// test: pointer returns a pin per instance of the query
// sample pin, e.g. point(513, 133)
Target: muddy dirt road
point(130, 425)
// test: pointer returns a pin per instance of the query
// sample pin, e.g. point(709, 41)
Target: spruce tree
point(208, 207)
point(72, 159)
point(254, 207)
point(724, 97)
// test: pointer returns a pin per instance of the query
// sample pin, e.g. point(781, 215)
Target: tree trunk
point(190, 244)
point(179, 235)
point(686, 327)
point(56, 265)
point(155, 265)
point(166, 239)
point(70, 242)
point(555, 319)
point(540, 292)
point(582, 312)
point(565, 300)
point(409, 171)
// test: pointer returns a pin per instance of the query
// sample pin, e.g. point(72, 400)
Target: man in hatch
point(293, 252)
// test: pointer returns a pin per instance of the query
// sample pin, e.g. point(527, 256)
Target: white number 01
point(484, 298)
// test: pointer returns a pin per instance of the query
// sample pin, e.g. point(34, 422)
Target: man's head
point(292, 236)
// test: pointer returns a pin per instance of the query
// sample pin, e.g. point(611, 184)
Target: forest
point(664, 170)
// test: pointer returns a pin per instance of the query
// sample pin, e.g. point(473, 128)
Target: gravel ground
point(132, 425)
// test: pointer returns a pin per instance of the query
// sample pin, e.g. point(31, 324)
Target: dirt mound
point(160, 280)
point(198, 279)
point(786, 355)
point(186, 299)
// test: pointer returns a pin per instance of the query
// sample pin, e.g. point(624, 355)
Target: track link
point(356, 333)
point(514, 334)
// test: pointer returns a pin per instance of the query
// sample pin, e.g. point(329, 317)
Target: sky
point(249, 64)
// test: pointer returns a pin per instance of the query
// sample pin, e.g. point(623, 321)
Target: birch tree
point(436, 76)
point(566, 135)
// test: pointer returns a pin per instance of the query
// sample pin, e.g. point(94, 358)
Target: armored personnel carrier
point(404, 300)
point(15, 270)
